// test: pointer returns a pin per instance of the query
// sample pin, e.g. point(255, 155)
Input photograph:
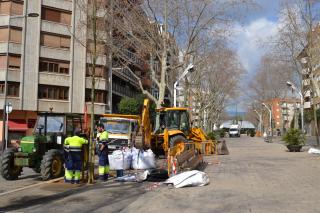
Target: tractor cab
point(42, 151)
point(174, 119)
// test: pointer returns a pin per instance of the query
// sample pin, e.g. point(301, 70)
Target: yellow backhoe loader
point(182, 145)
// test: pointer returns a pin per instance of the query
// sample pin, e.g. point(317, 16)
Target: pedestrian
point(73, 155)
point(102, 138)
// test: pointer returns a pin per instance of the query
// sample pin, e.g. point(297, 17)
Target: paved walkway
point(255, 177)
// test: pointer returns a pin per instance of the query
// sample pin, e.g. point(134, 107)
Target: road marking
point(27, 187)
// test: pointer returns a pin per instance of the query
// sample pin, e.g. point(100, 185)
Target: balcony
point(4, 21)
point(54, 53)
point(99, 108)
point(54, 79)
point(13, 75)
point(54, 27)
point(13, 47)
point(15, 101)
point(61, 4)
point(57, 105)
point(100, 84)
point(126, 74)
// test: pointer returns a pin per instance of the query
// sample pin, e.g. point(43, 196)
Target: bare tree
point(299, 39)
point(216, 82)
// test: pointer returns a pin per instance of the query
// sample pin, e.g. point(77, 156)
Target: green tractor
point(43, 151)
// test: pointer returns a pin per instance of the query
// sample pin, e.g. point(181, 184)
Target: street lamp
point(293, 87)
point(270, 116)
point(185, 72)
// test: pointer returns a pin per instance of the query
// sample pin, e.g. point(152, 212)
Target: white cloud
point(249, 38)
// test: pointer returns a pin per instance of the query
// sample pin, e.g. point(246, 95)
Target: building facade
point(45, 65)
point(283, 111)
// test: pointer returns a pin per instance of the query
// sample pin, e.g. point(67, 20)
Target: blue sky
point(259, 24)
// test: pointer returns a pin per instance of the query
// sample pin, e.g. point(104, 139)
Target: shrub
point(211, 135)
point(294, 137)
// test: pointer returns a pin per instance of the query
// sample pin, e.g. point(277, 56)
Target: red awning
point(17, 126)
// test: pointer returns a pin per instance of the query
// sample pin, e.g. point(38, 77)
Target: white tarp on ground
point(313, 151)
point(189, 178)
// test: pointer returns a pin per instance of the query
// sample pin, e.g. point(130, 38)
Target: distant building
point(283, 111)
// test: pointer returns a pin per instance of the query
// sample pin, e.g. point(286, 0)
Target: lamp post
point(291, 85)
point(5, 115)
point(8, 109)
point(270, 117)
point(185, 72)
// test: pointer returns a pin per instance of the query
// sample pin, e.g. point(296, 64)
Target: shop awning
point(17, 126)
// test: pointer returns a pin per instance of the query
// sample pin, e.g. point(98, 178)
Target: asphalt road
point(27, 178)
point(255, 177)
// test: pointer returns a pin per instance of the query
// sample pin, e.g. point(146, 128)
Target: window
point(13, 88)
point(53, 92)
point(53, 66)
point(100, 96)
point(14, 62)
point(3, 62)
point(54, 41)
point(15, 35)
point(55, 15)
point(99, 71)
point(11, 8)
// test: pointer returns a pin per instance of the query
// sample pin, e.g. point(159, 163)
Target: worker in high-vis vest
point(102, 138)
point(73, 161)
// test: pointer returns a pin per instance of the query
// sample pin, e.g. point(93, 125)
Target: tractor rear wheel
point(52, 165)
point(8, 170)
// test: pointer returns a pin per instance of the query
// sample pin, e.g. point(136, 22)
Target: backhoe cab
point(43, 151)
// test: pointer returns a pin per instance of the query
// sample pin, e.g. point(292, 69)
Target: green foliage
point(129, 106)
point(252, 132)
point(216, 134)
point(211, 135)
point(133, 106)
point(294, 137)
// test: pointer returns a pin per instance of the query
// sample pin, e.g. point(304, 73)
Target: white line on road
point(33, 185)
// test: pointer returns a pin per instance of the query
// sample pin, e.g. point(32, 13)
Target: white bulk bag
point(143, 159)
point(120, 160)
point(189, 178)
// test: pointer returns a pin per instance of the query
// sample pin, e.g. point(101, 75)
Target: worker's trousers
point(73, 167)
point(103, 164)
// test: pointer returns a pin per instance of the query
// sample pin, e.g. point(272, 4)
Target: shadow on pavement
point(121, 193)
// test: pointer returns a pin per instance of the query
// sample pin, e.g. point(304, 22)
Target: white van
point(234, 130)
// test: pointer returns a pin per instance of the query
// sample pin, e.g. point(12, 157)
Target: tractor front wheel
point(51, 165)
point(8, 170)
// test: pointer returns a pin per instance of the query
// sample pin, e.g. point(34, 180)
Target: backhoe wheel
point(52, 165)
point(8, 170)
point(177, 140)
point(177, 144)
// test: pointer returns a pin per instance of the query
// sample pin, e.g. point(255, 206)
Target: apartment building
point(44, 63)
point(283, 112)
